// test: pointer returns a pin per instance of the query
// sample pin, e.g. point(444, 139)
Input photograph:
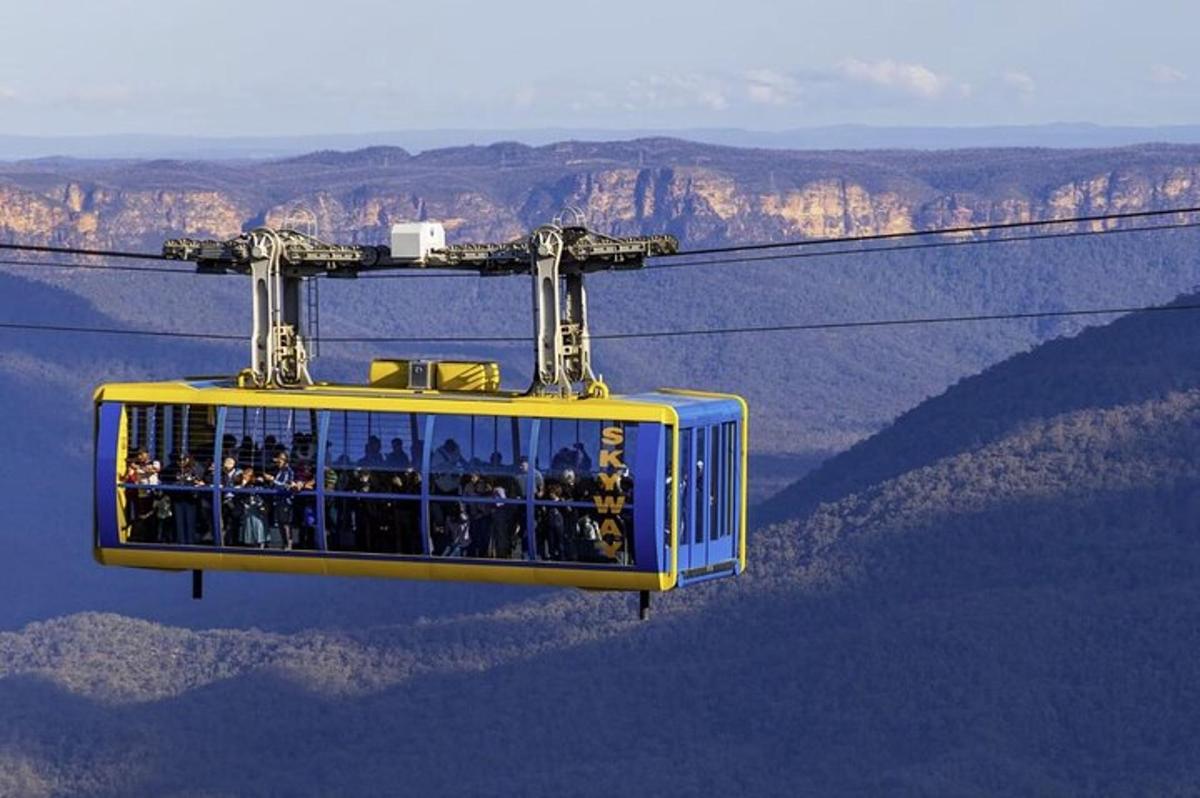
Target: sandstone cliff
point(703, 194)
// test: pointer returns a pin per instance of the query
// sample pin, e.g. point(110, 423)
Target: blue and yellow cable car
point(428, 471)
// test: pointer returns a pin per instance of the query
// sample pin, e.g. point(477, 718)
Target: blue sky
point(220, 67)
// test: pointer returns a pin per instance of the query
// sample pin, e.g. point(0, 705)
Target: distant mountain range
point(830, 137)
point(996, 596)
point(811, 393)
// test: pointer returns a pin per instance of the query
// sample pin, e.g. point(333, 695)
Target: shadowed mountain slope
point(1137, 358)
point(1013, 613)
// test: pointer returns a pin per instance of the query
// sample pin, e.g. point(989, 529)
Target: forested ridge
point(996, 595)
point(990, 591)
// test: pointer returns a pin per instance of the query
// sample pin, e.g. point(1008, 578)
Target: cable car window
point(167, 475)
point(586, 514)
point(732, 463)
point(372, 482)
point(702, 467)
point(715, 475)
point(267, 474)
point(479, 478)
point(685, 485)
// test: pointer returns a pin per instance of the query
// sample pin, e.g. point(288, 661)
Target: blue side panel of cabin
point(702, 559)
point(108, 430)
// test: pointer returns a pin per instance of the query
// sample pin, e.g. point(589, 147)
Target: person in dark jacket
point(186, 502)
point(552, 526)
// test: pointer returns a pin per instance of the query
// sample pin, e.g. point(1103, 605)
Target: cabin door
point(707, 502)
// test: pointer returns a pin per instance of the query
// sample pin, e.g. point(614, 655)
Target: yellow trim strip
point(122, 455)
point(382, 400)
point(328, 565)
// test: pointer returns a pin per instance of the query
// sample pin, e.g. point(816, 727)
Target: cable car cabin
point(644, 492)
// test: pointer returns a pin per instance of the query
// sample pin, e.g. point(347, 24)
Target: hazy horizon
point(416, 140)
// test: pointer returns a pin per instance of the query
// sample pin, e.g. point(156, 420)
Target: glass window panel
point(361, 523)
point(702, 467)
point(478, 525)
point(685, 486)
point(268, 478)
point(372, 463)
point(167, 475)
point(731, 470)
point(586, 514)
point(479, 479)
point(718, 481)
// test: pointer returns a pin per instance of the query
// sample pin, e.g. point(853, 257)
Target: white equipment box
point(416, 239)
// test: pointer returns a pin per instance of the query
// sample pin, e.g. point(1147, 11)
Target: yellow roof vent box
point(436, 375)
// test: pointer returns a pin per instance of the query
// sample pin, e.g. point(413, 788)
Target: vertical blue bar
point(218, 517)
point(319, 478)
point(710, 475)
point(535, 427)
point(691, 498)
point(723, 480)
point(426, 451)
point(648, 489)
point(108, 428)
point(168, 436)
point(736, 431)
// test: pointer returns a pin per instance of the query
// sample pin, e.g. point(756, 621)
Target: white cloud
point(1165, 74)
point(1020, 82)
point(768, 87)
point(676, 91)
point(912, 79)
point(7, 93)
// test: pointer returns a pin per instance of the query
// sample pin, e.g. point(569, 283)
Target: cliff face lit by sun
point(701, 193)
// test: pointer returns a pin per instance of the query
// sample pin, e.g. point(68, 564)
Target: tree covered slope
point(995, 596)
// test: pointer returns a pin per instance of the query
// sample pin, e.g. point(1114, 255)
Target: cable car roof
point(664, 406)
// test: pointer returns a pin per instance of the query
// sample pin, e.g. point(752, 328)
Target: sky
point(276, 67)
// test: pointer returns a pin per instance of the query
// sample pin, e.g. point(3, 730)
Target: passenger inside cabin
point(252, 511)
point(372, 453)
point(267, 453)
point(475, 487)
point(247, 453)
point(552, 525)
point(397, 458)
point(186, 508)
point(503, 526)
point(539, 481)
point(568, 484)
point(458, 534)
point(303, 447)
point(230, 476)
point(284, 481)
point(574, 458)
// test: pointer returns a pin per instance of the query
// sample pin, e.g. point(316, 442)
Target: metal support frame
point(278, 350)
point(558, 256)
point(562, 345)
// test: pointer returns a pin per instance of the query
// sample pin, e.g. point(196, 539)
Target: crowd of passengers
point(270, 501)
